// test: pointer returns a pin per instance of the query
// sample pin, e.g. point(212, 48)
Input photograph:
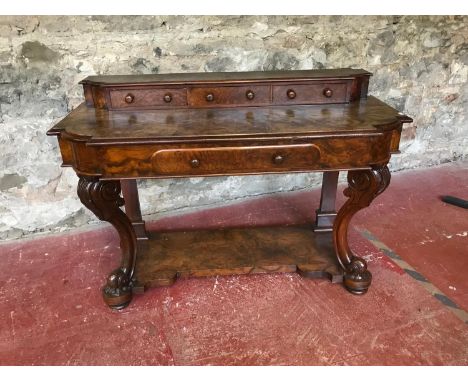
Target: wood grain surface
point(204, 77)
point(231, 89)
point(364, 116)
point(167, 256)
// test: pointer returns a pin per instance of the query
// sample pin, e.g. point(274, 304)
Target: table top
point(365, 116)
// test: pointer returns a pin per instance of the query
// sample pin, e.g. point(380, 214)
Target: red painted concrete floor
point(53, 314)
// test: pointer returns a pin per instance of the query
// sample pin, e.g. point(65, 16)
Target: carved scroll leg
point(363, 187)
point(104, 200)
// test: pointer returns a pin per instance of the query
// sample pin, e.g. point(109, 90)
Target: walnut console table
point(211, 124)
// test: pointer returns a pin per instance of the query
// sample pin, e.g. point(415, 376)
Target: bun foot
point(117, 293)
point(117, 302)
point(357, 283)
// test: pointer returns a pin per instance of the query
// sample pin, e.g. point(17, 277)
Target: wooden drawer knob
point(291, 94)
point(209, 97)
point(327, 92)
point(278, 159)
point(167, 97)
point(195, 163)
point(129, 98)
point(250, 94)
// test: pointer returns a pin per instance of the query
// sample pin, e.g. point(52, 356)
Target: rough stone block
point(419, 65)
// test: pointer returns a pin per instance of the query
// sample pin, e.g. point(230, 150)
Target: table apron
point(176, 160)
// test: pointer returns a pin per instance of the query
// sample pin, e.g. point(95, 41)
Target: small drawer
point(307, 94)
point(147, 98)
point(229, 96)
point(232, 160)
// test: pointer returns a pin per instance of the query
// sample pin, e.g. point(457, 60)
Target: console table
point(212, 124)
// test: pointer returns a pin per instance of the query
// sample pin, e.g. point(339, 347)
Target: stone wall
point(419, 66)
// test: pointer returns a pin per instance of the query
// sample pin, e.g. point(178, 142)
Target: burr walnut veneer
point(212, 124)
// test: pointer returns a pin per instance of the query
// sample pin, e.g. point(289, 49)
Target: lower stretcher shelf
point(166, 256)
